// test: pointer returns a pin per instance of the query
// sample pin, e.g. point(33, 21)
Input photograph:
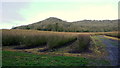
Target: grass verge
point(97, 46)
point(25, 59)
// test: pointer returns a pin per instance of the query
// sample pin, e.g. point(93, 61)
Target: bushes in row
point(57, 41)
point(34, 41)
point(34, 38)
point(83, 42)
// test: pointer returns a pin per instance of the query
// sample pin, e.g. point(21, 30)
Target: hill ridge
point(56, 24)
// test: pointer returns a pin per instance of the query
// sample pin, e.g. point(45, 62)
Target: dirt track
point(112, 48)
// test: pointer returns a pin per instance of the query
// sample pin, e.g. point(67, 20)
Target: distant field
point(114, 34)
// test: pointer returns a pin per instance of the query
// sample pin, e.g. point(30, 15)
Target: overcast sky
point(23, 12)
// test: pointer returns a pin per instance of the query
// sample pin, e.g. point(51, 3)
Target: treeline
point(55, 24)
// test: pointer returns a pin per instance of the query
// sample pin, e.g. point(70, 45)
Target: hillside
point(55, 24)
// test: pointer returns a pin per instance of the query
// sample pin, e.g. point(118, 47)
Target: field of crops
point(51, 40)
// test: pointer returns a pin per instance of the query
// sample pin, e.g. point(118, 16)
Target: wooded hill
point(55, 24)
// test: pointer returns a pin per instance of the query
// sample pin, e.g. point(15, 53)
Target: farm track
point(112, 49)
